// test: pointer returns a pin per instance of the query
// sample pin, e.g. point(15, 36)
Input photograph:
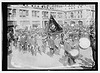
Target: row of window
point(74, 14)
point(46, 14)
point(35, 13)
point(11, 13)
point(25, 13)
point(26, 23)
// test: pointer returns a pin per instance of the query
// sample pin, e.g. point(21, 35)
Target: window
point(9, 12)
point(46, 24)
point(23, 13)
point(45, 14)
point(35, 24)
point(80, 14)
point(13, 13)
point(27, 13)
point(72, 15)
point(35, 13)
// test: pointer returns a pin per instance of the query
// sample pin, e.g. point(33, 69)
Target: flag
point(54, 26)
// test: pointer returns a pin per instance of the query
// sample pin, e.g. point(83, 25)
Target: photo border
point(4, 35)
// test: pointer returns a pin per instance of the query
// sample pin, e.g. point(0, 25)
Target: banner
point(54, 26)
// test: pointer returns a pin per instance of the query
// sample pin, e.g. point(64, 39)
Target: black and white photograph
point(50, 36)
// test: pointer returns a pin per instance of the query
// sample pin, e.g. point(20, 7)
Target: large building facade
point(32, 16)
point(38, 15)
point(84, 13)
